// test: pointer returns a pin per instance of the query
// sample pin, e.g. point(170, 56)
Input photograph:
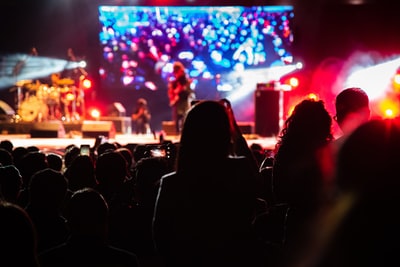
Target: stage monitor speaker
point(47, 129)
point(266, 113)
point(92, 129)
point(122, 125)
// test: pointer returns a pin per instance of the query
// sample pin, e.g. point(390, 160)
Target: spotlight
point(95, 113)
point(86, 83)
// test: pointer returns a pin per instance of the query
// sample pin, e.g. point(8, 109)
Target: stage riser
point(49, 129)
point(121, 125)
point(15, 128)
point(26, 127)
point(92, 129)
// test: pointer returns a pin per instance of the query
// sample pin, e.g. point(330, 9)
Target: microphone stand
point(18, 95)
point(18, 89)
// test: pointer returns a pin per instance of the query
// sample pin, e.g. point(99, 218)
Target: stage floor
point(57, 145)
point(46, 135)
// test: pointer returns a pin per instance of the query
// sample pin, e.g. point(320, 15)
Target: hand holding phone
point(85, 150)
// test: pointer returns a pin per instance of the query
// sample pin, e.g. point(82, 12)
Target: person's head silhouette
point(352, 108)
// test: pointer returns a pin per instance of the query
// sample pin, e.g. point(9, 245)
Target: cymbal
point(22, 82)
point(34, 86)
point(65, 81)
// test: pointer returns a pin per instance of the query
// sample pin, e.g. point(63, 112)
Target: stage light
point(289, 83)
point(389, 113)
point(389, 108)
point(86, 83)
point(313, 96)
point(375, 80)
point(70, 97)
point(294, 82)
point(17, 67)
point(150, 85)
point(290, 80)
point(95, 113)
point(299, 65)
point(82, 64)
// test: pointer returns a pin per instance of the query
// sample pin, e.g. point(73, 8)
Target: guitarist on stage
point(180, 94)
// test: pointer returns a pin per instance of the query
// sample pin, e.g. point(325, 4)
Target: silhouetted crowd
point(211, 199)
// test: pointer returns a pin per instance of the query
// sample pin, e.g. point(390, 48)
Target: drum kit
point(38, 102)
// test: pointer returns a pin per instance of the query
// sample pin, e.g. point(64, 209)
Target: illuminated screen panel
point(226, 49)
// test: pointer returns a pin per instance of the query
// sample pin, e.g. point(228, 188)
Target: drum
point(32, 109)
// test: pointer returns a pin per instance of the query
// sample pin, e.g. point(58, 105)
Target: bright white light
point(151, 86)
point(27, 67)
point(127, 80)
point(186, 55)
point(299, 65)
point(375, 80)
point(277, 72)
point(207, 75)
point(224, 87)
point(82, 64)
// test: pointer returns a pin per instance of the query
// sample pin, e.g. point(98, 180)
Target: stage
point(54, 136)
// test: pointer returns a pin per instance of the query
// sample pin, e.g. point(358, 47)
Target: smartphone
point(158, 152)
point(85, 150)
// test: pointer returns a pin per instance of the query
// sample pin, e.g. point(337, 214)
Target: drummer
point(52, 98)
point(67, 90)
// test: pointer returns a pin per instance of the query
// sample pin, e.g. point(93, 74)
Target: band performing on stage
point(63, 99)
point(60, 96)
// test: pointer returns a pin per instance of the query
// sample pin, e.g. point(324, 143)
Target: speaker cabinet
point(266, 112)
point(122, 125)
point(169, 127)
point(48, 129)
point(92, 129)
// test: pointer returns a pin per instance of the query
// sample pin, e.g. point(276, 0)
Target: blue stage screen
point(225, 49)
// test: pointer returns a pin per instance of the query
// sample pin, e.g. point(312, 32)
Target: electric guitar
point(173, 93)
